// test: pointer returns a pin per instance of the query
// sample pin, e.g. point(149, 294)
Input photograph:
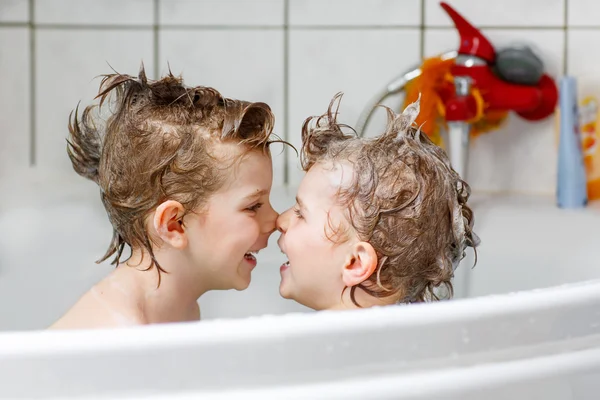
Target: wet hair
point(404, 199)
point(156, 144)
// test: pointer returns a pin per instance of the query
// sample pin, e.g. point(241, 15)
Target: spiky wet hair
point(155, 145)
point(404, 199)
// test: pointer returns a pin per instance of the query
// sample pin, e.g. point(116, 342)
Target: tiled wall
point(293, 54)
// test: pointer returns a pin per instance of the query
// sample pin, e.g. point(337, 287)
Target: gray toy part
point(519, 65)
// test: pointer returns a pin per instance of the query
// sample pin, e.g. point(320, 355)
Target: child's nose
point(270, 221)
point(283, 221)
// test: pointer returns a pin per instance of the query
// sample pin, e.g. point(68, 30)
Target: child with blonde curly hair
point(377, 221)
point(185, 176)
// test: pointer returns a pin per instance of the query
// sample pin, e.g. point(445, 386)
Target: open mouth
point(251, 256)
point(284, 266)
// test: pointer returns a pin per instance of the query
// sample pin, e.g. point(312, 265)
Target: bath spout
point(458, 146)
point(459, 131)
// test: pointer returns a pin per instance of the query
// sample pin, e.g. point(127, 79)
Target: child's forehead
point(324, 180)
point(336, 173)
point(244, 166)
point(231, 153)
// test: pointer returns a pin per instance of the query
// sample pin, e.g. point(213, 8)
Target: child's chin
point(284, 291)
point(240, 288)
point(242, 283)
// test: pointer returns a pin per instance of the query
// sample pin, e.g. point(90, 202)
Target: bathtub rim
point(260, 350)
point(227, 329)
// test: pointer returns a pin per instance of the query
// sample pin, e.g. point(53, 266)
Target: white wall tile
point(521, 156)
point(359, 63)
point(222, 12)
point(14, 11)
point(583, 12)
point(68, 66)
point(355, 12)
point(242, 64)
point(539, 13)
point(113, 12)
point(68, 235)
point(529, 233)
point(582, 62)
point(14, 100)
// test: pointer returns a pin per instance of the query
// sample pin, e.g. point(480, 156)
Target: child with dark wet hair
point(185, 176)
point(377, 221)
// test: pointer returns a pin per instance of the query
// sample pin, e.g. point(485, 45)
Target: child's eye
point(255, 207)
point(298, 213)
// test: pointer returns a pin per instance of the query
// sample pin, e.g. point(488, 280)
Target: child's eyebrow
point(300, 203)
point(256, 195)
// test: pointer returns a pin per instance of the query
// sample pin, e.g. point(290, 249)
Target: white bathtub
point(489, 344)
point(537, 344)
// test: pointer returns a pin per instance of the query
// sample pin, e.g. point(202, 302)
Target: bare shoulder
point(100, 307)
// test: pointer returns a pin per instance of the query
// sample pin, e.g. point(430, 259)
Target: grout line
point(565, 65)
point(422, 32)
point(66, 26)
point(154, 25)
point(9, 24)
point(93, 27)
point(155, 40)
point(32, 87)
point(13, 24)
point(353, 27)
point(286, 92)
point(584, 27)
point(220, 27)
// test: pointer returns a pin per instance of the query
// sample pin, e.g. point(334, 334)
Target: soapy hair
point(155, 145)
point(404, 199)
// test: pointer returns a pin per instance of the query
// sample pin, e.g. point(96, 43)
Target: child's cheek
point(295, 240)
point(256, 230)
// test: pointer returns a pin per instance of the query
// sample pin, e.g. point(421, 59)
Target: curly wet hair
point(404, 199)
point(157, 144)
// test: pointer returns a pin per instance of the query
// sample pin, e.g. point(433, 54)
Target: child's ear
point(360, 265)
point(168, 223)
